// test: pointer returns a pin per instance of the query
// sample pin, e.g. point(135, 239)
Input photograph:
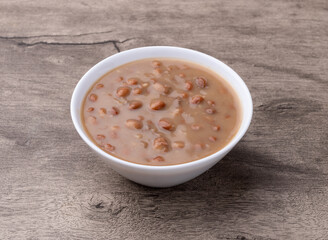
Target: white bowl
point(162, 176)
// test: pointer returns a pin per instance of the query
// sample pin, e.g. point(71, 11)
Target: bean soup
point(161, 112)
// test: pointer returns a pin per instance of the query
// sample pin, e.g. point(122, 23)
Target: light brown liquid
point(161, 112)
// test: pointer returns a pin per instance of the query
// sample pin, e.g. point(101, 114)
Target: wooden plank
point(273, 185)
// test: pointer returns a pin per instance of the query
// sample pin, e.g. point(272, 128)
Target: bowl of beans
point(161, 116)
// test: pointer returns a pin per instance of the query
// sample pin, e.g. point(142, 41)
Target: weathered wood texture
point(273, 185)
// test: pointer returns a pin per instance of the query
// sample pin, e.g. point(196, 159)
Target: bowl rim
point(246, 118)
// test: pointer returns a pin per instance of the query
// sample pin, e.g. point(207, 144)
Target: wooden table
point(273, 185)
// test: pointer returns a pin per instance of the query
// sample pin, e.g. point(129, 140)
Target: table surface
point(272, 185)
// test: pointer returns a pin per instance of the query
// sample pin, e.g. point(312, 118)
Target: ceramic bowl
point(162, 176)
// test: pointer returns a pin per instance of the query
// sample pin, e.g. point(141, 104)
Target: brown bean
point(201, 82)
point(90, 109)
point(197, 99)
point(157, 71)
point(109, 147)
point(132, 81)
point(141, 117)
point(165, 124)
point(210, 110)
point(137, 91)
point(114, 111)
point(217, 128)
point(93, 97)
point(188, 85)
point(133, 124)
point(212, 138)
point(157, 104)
point(156, 63)
point(99, 85)
point(211, 103)
point(102, 112)
point(161, 144)
point(195, 127)
point(158, 159)
point(135, 105)
point(101, 137)
point(123, 91)
point(178, 144)
point(184, 95)
point(160, 88)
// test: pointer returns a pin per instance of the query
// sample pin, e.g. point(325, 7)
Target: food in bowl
point(161, 112)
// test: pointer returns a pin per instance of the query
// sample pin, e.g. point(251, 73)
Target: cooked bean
point(201, 82)
point(217, 128)
point(160, 88)
point(135, 105)
point(156, 63)
point(137, 91)
point(93, 97)
point(211, 103)
point(178, 144)
point(197, 99)
point(161, 144)
point(184, 95)
point(90, 109)
point(212, 138)
point(133, 124)
point(109, 147)
point(210, 110)
point(157, 71)
point(123, 91)
point(132, 81)
point(188, 85)
point(114, 111)
point(141, 118)
point(158, 159)
point(99, 85)
point(165, 124)
point(157, 105)
point(101, 137)
point(102, 112)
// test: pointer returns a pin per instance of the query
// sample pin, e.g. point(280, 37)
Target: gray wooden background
point(273, 185)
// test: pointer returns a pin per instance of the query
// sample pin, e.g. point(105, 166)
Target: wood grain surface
point(273, 185)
